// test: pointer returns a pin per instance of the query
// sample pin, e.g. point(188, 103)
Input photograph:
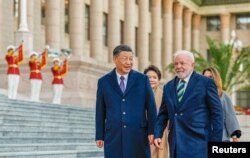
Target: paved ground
point(245, 134)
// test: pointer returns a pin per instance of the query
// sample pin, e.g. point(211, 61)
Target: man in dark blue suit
point(192, 106)
point(125, 109)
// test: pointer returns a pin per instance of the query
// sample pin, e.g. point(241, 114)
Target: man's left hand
point(151, 139)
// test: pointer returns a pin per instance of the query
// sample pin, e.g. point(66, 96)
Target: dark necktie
point(180, 90)
point(122, 84)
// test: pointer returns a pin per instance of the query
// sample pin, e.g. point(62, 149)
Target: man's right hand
point(157, 143)
point(99, 143)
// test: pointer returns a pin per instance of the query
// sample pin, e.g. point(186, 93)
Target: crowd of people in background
point(37, 61)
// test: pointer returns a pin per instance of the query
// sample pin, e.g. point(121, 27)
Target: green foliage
point(234, 67)
point(198, 2)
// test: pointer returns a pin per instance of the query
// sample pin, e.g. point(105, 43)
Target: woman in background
point(231, 127)
point(154, 76)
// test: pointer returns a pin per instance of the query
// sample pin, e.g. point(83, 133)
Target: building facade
point(154, 29)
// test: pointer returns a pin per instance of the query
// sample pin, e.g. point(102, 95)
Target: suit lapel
point(191, 84)
point(131, 80)
point(176, 80)
point(113, 81)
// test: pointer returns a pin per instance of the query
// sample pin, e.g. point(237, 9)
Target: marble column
point(143, 35)
point(76, 26)
point(23, 26)
point(34, 23)
point(30, 14)
point(1, 27)
point(178, 11)
point(23, 33)
point(196, 32)
point(155, 54)
point(225, 27)
point(129, 23)
point(62, 23)
point(113, 27)
point(53, 27)
point(167, 56)
point(187, 29)
point(96, 28)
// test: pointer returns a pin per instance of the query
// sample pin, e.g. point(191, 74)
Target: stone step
point(39, 105)
point(44, 124)
point(19, 114)
point(47, 147)
point(54, 139)
point(42, 130)
point(44, 134)
point(41, 154)
point(44, 118)
point(46, 111)
point(53, 154)
point(52, 127)
point(90, 154)
point(22, 128)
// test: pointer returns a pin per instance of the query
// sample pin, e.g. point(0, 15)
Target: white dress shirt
point(119, 80)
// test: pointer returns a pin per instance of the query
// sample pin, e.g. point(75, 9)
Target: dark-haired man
point(125, 109)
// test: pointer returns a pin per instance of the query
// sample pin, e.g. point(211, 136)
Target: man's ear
point(114, 58)
point(193, 64)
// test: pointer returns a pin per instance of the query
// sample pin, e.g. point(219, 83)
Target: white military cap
point(10, 47)
point(56, 59)
point(33, 53)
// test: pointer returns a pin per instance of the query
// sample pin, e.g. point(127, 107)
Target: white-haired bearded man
point(192, 106)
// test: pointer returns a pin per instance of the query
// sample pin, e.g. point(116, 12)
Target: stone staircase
point(42, 130)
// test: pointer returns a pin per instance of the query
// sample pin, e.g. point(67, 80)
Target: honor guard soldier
point(13, 69)
point(35, 73)
point(58, 71)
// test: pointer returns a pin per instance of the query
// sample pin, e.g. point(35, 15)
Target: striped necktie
point(180, 90)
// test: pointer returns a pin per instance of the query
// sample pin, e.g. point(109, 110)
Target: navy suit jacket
point(194, 121)
point(124, 120)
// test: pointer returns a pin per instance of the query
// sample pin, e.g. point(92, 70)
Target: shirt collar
point(118, 76)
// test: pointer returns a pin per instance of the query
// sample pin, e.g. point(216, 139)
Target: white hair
point(186, 53)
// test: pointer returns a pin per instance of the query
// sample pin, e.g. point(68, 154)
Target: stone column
point(53, 23)
point(96, 21)
point(76, 26)
point(1, 27)
point(62, 23)
point(129, 23)
point(23, 26)
point(187, 29)
point(30, 14)
point(34, 23)
point(143, 37)
point(196, 32)
point(225, 27)
point(155, 54)
point(23, 33)
point(167, 56)
point(113, 27)
point(178, 10)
